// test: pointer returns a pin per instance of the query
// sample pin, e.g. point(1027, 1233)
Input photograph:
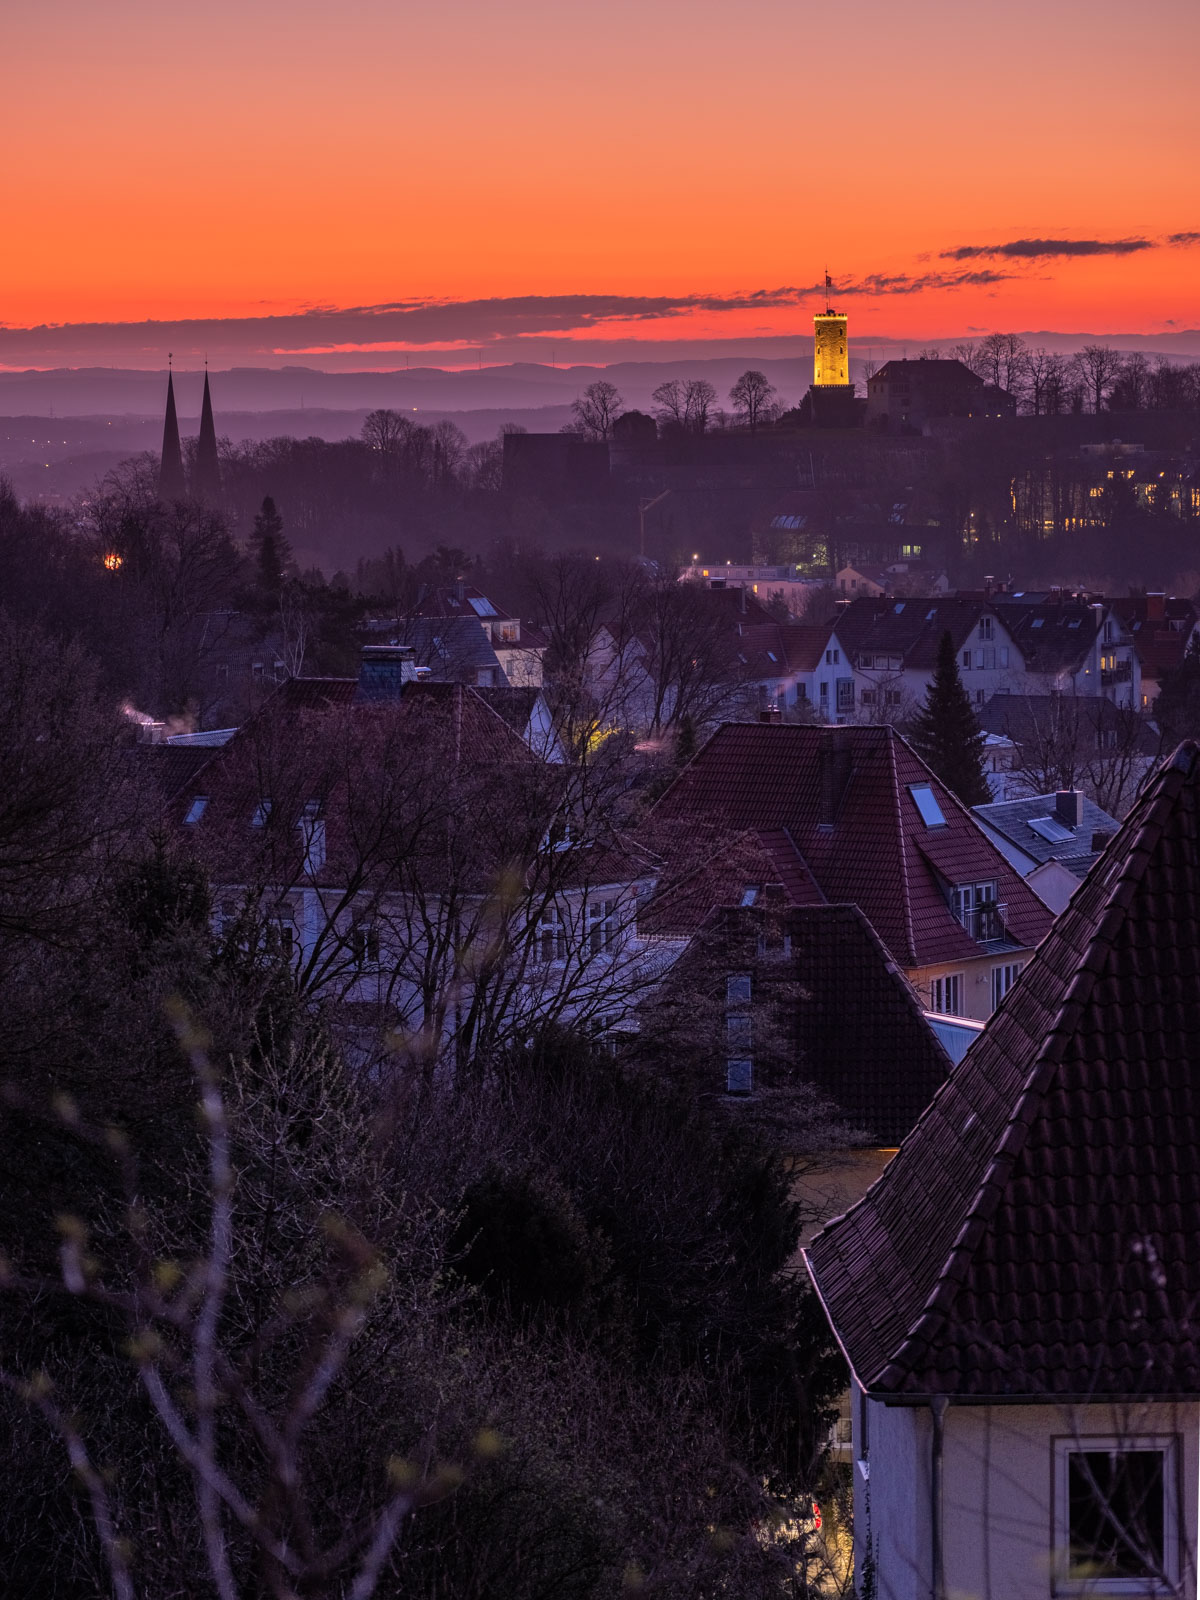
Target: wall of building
point(999, 1506)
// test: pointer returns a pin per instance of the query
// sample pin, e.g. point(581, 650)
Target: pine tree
point(271, 550)
point(945, 734)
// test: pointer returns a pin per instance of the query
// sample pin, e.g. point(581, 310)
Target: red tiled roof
point(1038, 1233)
point(878, 854)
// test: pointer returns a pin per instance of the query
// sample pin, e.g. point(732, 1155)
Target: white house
point(1016, 1296)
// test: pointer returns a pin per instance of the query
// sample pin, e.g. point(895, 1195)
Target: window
point(196, 810)
point(364, 945)
point(966, 658)
point(552, 935)
point(1003, 978)
point(868, 697)
point(256, 670)
point(262, 813)
point(845, 694)
point(223, 672)
point(312, 837)
point(737, 1033)
point(824, 688)
point(1115, 1515)
point(833, 658)
point(980, 696)
point(749, 894)
point(974, 905)
point(926, 803)
point(1003, 655)
point(737, 988)
point(946, 994)
point(280, 671)
point(601, 925)
point(893, 697)
point(739, 1077)
point(985, 627)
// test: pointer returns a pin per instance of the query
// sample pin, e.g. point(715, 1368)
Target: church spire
point(207, 481)
point(170, 473)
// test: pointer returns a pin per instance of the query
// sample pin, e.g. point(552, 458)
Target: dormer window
point(196, 810)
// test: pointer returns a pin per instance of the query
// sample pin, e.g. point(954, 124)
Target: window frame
point(938, 991)
point(1064, 1446)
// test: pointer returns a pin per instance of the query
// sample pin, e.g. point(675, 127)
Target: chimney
point(989, 583)
point(151, 732)
point(1100, 841)
point(1156, 605)
point(771, 713)
point(836, 768)
point(383, 670)
point(1068, 807)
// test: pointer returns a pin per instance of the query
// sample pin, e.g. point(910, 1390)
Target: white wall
point(998, 1493)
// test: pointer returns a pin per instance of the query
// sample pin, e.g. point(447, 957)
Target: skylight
point(197, 809)
point(897, 609)
point(482, 606)
point(1050, 830)
point(771, 656)
point(926, 803)
point(749, 894)
point(1037, 621)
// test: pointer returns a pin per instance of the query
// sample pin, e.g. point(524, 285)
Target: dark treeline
point(274, 1326)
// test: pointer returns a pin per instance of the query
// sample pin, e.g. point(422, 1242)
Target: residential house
point(1162, 627)
point(1016, 1295)
point(517, 646)
point(851, 816)
point(904, 396)
point(1067, 741)
point(1072, 646)
point(1053, 840)
point(779, 585)
point(897, 577)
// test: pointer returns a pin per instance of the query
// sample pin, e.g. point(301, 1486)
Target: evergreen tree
point(271, 550)
point(945, 734)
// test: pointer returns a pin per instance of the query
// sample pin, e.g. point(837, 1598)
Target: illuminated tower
point(831, 360)
point(170, 472)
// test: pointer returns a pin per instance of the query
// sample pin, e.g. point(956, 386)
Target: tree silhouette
point(946, 736)
point(597, 408)
point(271, 550)
point(754, 399)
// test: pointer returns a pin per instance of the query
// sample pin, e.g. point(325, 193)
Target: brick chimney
point(1068, 807)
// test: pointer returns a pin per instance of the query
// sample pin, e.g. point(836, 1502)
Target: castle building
point(830, 402)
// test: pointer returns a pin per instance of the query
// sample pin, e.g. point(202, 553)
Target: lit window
point(926, 803)
point(197, 809)
point(1116, 1515)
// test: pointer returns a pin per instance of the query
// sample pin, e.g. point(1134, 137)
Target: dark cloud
point(1183, 238)
point(423, 325)
point(1041, 249)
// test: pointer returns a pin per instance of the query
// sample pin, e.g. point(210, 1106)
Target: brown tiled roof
point(715, 870)
point(878, 854)
point(1038, 1233)
point(171, 768)
point(906, 627)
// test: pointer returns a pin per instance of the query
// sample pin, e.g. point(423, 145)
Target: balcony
point(1121, 673)
point(985, 924)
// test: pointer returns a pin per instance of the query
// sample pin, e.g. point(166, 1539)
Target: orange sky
point(233, 159)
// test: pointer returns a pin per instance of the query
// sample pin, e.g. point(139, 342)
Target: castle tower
point(170, 472)
point(207, 476)
point(831, 358)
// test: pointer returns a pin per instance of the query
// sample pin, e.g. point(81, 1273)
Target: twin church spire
point(206, 470)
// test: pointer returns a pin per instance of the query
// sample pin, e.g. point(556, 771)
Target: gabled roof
point(877, 853)
point(905, 627)
point(1038, 1233)
point(462, 600)
point(1053, 637)
point(1038, 718)
point(455, 649)
point(859, 1036)
point(1059, 841)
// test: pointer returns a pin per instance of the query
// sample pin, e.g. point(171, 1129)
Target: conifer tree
point(271, 550)
point(945, 734)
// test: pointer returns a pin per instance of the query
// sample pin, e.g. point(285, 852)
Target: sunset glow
point(269, 159)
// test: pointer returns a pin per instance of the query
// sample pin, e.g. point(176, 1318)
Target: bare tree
point(1098, 366)
point(754, 399)
point(597, 409)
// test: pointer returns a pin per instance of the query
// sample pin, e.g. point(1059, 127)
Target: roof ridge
point(1158, 801)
